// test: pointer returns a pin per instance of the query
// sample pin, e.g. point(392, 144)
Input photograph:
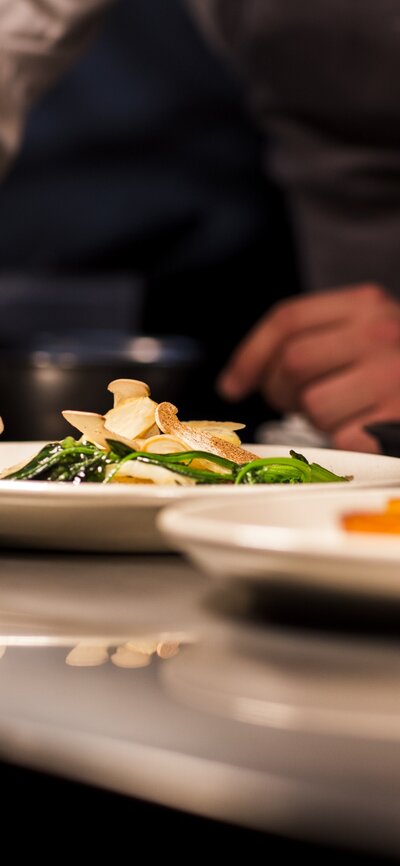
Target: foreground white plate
point(123, 517)
point(296, 537)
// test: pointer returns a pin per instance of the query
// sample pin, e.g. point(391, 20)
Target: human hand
point(333, 356)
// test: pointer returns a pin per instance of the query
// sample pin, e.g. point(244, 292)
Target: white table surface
point(130, 731)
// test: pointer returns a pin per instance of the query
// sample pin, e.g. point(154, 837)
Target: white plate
point(296, 537)
point(123, 517)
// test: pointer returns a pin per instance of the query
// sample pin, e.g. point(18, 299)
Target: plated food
point(139, 441)
point(121, 469)
point(123, 517)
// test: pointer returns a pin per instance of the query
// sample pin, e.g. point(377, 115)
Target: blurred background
point(140, 236)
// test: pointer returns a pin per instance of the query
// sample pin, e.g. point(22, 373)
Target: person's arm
point(333, 356)
point(38, 41)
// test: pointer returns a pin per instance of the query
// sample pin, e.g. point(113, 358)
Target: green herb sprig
point(78, 462)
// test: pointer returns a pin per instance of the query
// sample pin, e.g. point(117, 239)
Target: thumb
point(244, 370)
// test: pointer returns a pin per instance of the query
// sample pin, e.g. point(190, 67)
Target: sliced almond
point(127, 389)
point(153, 431)
point(168, 422)
point(85, 656)
point(222, 429)
point(124, 657)
point(223, 433)
point(167, 649)
point(162, 444)
point(90, 424)
point(92, 427)
point(140, 444)
point(1, 425)
point(131, 419)
point(146, 644)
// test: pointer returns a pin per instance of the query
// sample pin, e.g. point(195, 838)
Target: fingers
point(332, 401)
point(335, 357)
point(355, 438)
point(246, 365)
point(316, 354)
point(351, 435)
point(292, 317)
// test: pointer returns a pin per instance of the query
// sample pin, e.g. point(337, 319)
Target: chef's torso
point(324, 78)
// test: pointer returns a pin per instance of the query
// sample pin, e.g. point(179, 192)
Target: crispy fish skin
point(168, 421)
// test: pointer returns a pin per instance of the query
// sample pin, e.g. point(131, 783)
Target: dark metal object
point(388, 435)
point(72, 372)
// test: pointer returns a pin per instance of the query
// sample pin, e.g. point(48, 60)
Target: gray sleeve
point(38, 41)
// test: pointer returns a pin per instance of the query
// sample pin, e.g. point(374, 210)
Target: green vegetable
point(66, 461)
point(78, 462)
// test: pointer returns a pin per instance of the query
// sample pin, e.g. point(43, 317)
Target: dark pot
point(72, 372)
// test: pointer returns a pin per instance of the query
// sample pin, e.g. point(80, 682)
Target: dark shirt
point(324, 79)
point(142, 157)
point(144, 161)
